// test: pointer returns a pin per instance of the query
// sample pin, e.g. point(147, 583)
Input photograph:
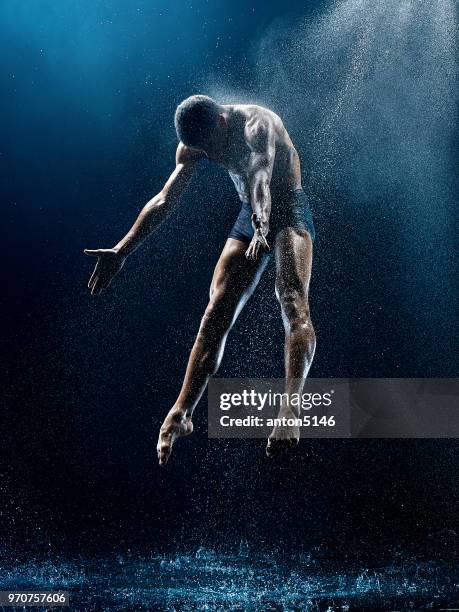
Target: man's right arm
point(110, 261)
point(159, 207)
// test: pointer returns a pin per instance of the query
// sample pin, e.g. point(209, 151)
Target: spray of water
point(368, 91)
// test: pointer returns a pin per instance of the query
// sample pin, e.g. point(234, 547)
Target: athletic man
point(252, 143)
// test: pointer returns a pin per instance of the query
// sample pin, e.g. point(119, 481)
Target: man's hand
point(258, 240)
point(109, 263)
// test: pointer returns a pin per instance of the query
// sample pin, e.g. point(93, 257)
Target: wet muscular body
point(255, 148)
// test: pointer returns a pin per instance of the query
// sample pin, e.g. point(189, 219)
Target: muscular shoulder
point(187, 155)
point(260, 128)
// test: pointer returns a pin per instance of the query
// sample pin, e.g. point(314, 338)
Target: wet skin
point(252, 144)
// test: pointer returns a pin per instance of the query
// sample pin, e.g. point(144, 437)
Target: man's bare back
point(252, 143)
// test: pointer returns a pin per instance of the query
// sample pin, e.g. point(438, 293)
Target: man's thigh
point(235, 277)
point(293, 251)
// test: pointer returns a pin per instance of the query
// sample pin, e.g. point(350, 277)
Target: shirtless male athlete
point(252, 143)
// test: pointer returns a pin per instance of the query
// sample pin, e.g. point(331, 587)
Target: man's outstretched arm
point(260, 137)
point(110, 261)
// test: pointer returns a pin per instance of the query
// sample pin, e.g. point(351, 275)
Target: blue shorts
point(290, 210)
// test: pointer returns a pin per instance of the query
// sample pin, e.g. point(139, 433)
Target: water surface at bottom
point(209, 581)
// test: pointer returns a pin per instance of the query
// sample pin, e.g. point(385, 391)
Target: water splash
point(369, 82)
point(209, 580)
point(368, 90)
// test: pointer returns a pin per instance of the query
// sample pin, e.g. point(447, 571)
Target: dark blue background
point(88, 95)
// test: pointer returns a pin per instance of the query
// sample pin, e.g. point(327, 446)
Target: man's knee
point(295, 309)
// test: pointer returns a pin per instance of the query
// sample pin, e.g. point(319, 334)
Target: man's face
point(215, 140)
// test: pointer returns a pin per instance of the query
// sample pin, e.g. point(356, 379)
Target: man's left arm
point(261, 139)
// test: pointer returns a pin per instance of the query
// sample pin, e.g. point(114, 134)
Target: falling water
point(373, 84)
point(368, 91)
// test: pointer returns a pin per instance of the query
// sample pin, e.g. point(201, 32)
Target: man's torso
point(286, 173)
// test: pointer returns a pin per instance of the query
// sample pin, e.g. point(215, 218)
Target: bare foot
point(176, 424)
point(283, 437)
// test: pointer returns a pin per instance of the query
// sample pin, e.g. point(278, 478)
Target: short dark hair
point(195, 119)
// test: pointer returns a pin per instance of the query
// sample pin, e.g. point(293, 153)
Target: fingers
point(100, 284)
point(262, 238)
point(93, 276)
point(264, 242)
point(257, 241)
point(95, 286)
point(97, 289)
point(101, 277)
point(252, 251)
point(105, 285)
point(93, 283)
point(96, 283)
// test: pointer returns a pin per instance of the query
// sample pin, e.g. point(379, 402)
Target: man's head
point(198, 121)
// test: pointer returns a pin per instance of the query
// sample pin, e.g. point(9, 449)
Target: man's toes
point(164, 447)
point(273, 448)
point(164, 452)
point(276, 448)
